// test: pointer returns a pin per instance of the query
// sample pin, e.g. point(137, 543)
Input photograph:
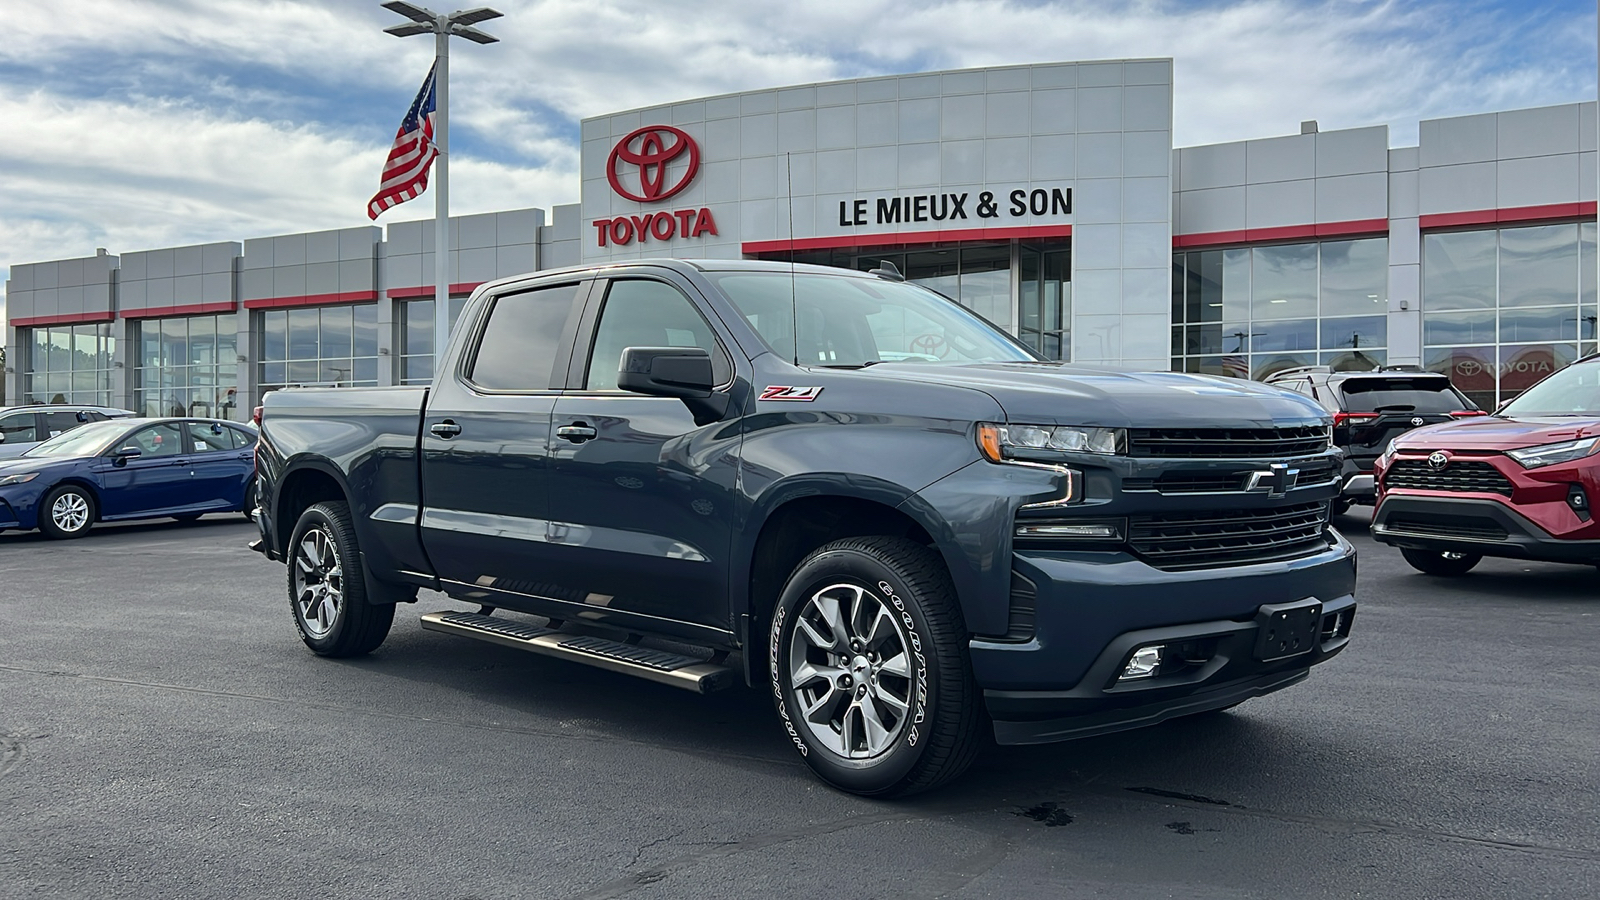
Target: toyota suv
point(1518, 483)
point(1370, 409)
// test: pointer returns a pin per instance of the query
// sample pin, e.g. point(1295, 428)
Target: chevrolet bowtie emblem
point(1276, 481)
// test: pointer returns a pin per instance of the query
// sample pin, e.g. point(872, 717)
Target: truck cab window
point(518, 349)
point(643, 313)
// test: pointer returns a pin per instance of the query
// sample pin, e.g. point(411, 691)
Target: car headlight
point(1544, 454)
point(22, 478)
point(1000, 442)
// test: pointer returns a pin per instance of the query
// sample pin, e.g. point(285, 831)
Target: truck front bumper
point(1094, 611)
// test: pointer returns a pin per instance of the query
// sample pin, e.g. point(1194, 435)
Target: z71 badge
point(785, 392)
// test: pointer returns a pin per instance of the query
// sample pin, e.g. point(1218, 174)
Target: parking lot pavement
point(164, 734)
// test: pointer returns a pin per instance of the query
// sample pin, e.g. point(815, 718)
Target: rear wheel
point(250, 500)
point(327, 592)
point(1445, 563)
point(869, 668)
point(66, 512)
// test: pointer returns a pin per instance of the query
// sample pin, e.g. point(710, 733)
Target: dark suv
point(1370, 409)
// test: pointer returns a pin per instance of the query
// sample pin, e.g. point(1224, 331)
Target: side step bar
point(654, 665)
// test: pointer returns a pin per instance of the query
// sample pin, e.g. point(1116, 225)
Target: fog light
point(1579, 501)
point(1143, 664)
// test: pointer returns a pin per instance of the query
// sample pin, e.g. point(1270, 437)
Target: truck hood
point(1064, 394)
point(1496, 433)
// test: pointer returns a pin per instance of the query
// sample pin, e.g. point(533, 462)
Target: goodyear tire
point(327, 592)
point(868, 660)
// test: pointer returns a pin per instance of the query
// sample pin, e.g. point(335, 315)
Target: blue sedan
point(129, 469)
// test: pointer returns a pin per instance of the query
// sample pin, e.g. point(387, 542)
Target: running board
point(654, 665)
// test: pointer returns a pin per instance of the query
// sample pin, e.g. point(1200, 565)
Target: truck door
point(641, 498)
point(485, 440)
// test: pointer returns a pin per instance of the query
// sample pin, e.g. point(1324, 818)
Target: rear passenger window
point(518, 349)
point(209, 438)
point(242, 440)
point(58, 422)
point(19, 427)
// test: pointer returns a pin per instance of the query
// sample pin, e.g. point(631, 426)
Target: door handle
point(577, 432)
point(446, 429)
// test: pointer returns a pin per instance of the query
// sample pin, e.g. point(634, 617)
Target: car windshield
point(85, 440)
point(1573, 391)
point(1413, 395)
point(848, 321)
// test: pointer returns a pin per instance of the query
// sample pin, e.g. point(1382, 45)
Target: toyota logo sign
point(640, 164)
point(1438, 459)
point(1416, 420)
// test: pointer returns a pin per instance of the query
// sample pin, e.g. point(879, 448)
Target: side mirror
point(2, 437)
point(123, 454)
point(682, 372)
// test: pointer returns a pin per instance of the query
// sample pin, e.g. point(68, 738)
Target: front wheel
point(327, 592)
point(869, 668)
point(66, 512)
point(1444, 563)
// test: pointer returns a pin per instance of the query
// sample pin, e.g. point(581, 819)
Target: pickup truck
point(838, 486)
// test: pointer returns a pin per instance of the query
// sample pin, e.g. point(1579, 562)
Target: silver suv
point(23, 426)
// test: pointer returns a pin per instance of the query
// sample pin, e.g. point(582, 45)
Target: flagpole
point(441, 198)
point(443, 27)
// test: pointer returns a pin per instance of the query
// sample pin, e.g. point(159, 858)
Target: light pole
point(458, 23)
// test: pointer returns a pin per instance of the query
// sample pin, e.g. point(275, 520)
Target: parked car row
point(22, 427)
point(124, 468)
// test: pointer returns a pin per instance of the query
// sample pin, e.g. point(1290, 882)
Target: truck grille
point(1199, 540)
point(1313, 472)
point(1227, 443)
point(1460, 476)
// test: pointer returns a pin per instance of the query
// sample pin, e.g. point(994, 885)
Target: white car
point(23, 426)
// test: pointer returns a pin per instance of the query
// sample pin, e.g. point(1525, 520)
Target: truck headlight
point(1000, 442)
point(21, 478)
point(1545, 454)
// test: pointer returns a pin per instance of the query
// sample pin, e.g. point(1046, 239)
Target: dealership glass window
point(329, 346)
point(187, 366)
point(1044, 300)
point(1248, 312)
point(68, 364)
point(416, 338)
point(1502, 308)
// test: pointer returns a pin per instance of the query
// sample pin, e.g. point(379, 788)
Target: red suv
point(1519, 483)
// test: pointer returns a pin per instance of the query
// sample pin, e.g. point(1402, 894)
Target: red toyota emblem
point(651, 149)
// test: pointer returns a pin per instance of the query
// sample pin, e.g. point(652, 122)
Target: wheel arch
point(95, 493)
point(304, 482)
point(803, 516)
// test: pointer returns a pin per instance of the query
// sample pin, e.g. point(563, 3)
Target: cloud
point(139, 124)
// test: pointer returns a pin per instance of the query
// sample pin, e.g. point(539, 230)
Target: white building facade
point(1048, 198)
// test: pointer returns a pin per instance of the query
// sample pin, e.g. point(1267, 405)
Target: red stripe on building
point(1549, 212)
point(192, 309)
point(1352, 228)
point(902, 238)
point(465, 287)
point(311, 300)
point(62, 319)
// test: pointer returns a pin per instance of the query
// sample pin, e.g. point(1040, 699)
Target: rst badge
point(785, 392)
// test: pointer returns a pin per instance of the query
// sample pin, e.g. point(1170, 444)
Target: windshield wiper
point(1395, 407)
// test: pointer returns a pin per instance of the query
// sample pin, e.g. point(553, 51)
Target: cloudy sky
point(136, 124)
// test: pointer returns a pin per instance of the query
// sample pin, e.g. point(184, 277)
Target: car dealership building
point(1048, 198)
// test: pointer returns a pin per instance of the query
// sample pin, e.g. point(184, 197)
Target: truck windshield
point(848, 321)
point(1573, 391)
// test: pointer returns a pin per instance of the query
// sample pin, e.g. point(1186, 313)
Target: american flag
point(405, 174)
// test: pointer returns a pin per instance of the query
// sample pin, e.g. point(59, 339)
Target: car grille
point(1460, 476)
point(1474, 528)
point(1313, 472)
point(1199, 540)
point(1227, 443)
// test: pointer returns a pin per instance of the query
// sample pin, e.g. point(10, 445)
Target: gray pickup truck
point(837, 486)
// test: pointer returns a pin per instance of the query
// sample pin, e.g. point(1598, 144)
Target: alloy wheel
point(850, 671)
point(70, 512)
point(318, 582)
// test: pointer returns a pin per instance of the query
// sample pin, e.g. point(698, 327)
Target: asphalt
point(164, 734)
